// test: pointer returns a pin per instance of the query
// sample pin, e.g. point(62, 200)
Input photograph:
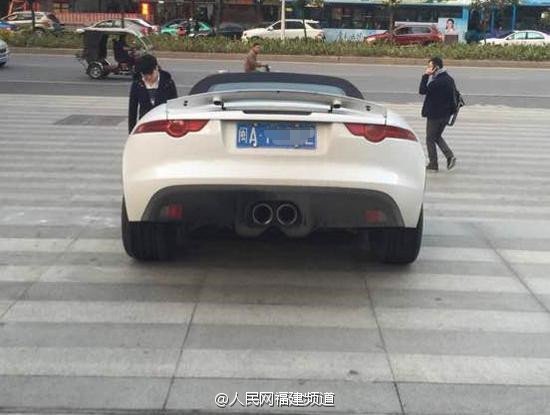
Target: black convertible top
point(205, 85)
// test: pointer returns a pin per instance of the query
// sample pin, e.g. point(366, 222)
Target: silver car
point(4, 53)
point(44, 22)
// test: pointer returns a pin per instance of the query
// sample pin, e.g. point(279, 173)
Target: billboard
point(453, 29)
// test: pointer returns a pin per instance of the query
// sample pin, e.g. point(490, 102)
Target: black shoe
point(432, 167)
point(451, 161)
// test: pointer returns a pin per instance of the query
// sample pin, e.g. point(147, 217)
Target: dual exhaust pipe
point(263, 214)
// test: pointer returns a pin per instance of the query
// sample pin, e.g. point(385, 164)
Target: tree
point(218, 15)
point(301, 6)
point(33, 17)
point(545, 20)
point(391, 5)
point(124, 5)
point(488, 6)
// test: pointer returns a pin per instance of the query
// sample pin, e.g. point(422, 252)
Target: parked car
point(43, 21)
point(409, 35)
point(294, 152)
point(521, 37)
point(8, 26)
point(230, 30)
point(171, 27)
point(4, 53)
point(194, 28)
point(294, 28)
point(152, 29)
point(137, 25)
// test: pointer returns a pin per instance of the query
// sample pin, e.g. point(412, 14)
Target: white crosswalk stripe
point(472, 312)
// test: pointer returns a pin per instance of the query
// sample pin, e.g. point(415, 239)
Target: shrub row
point(301, 47)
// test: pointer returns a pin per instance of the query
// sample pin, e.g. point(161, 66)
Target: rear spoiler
point(275, 100)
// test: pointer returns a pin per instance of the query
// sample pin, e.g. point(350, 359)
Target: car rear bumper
point(230, 206)
point(335, 182)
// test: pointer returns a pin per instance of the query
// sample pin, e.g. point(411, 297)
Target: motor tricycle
point(95, 57)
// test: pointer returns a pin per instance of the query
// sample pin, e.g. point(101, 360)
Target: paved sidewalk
point(86, 330)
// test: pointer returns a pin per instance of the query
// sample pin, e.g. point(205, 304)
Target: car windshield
point(276, 86)
point(142, 22)
point(503, 35)
point(314, 25)
point(53, 18)
point(147, 42)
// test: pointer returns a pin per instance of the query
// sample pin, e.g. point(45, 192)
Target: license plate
point(301, 135)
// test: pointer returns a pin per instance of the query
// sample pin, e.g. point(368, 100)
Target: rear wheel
point(147, 241)
point(95, 70)
point(397, 245)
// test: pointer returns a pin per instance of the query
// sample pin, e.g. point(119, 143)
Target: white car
point(252, 151)
point(137, 25)
point(294, 28)
point(521, 37)
point(4, 53)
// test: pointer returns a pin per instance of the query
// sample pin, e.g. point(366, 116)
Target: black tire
point(2, 64)
point(397, 245)
point(148, 241)
point(96, 71)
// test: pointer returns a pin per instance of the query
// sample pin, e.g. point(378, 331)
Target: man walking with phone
point(439, 104)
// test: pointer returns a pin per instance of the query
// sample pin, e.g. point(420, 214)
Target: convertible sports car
point(254, 151)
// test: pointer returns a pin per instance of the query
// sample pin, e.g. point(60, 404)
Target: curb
point(365, 60)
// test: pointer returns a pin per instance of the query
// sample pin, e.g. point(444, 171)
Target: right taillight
point(174, 128)
point(376, 133)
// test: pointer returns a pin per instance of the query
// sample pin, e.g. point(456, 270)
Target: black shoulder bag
point(458, 102)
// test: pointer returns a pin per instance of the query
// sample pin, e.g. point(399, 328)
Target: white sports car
point(254, 151)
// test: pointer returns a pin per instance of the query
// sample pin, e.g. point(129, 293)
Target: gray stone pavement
point(84, 329)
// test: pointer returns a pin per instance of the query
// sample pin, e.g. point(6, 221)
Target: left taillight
point(174, 128)
point(375, 133)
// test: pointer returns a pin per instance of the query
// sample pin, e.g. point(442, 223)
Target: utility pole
point(283, 19)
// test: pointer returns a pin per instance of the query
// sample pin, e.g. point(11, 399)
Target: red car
point(409, 35)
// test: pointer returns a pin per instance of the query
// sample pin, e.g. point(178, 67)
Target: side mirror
point(269, 29)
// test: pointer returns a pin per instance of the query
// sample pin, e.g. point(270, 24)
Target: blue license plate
point(301, 135)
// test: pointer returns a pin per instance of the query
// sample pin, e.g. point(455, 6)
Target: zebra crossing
point(84, 329)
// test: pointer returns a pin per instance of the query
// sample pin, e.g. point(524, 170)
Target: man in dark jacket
point(439, 89)
point(151, 87)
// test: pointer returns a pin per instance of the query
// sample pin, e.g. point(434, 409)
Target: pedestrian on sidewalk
point(439, 104)
point(151, 87)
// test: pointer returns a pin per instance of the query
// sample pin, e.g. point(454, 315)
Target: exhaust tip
point(287, 214)
point(262, 214)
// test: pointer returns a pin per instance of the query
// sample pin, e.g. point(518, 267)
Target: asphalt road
point(63, 75)
point(84, 329)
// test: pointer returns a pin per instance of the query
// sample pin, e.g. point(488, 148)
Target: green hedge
point(301, 47)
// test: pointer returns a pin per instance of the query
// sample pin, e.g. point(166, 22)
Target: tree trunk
point(218, 16)
point(33, 17)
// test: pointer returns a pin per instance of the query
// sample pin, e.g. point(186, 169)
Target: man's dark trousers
point(434, 131)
